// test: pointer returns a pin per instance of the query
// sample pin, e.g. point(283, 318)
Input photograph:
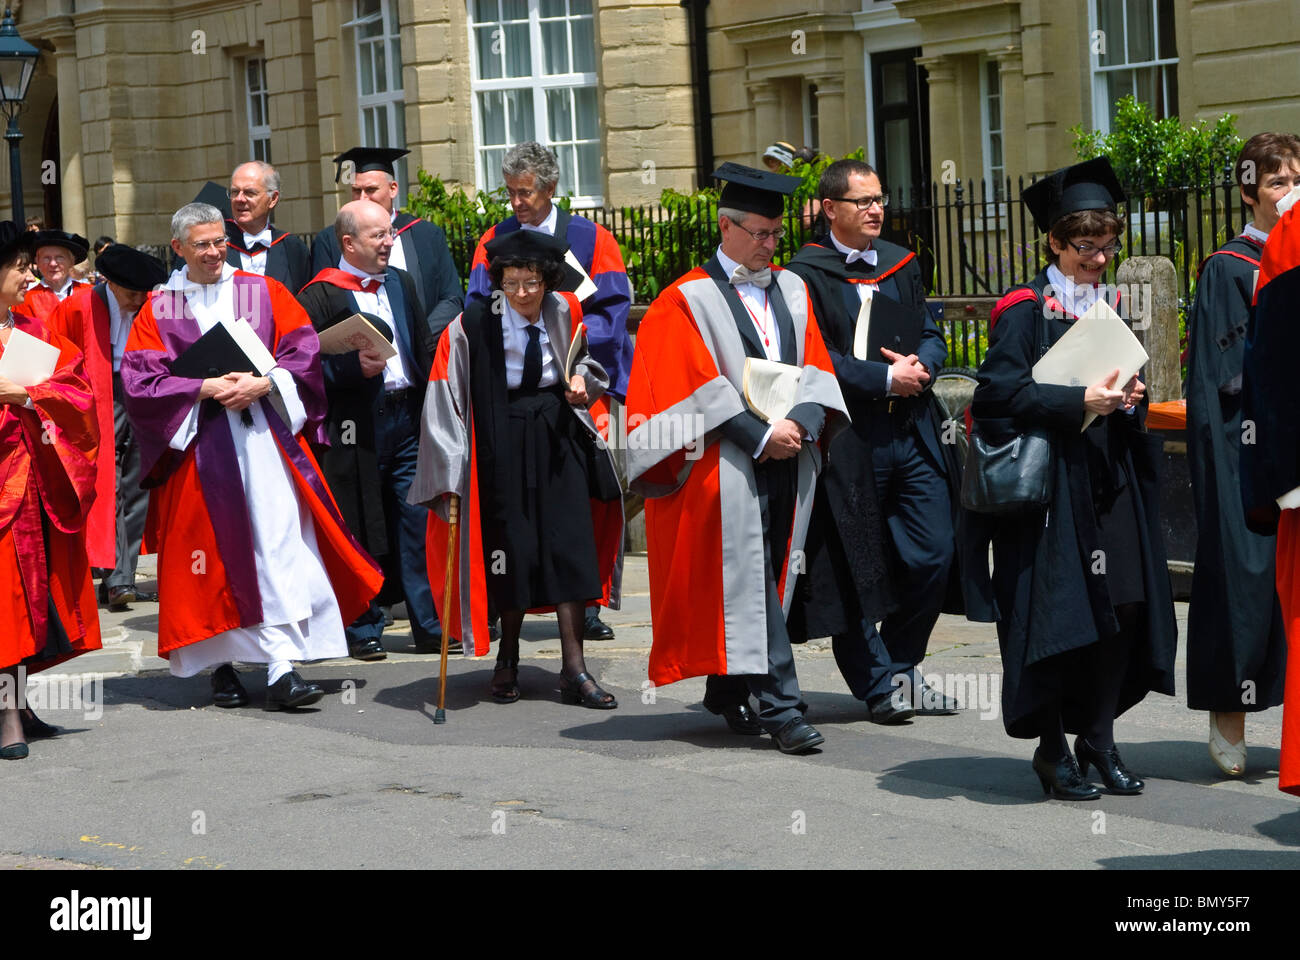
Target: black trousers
point(776, 691)
point(132, 502)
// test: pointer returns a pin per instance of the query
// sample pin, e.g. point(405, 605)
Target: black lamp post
point(17, 61)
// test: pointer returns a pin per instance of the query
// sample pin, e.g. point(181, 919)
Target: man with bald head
point(374, 416)
point(252, 244)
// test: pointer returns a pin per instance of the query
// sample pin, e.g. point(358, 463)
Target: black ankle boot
point(1063, 780)
point(1110, 767)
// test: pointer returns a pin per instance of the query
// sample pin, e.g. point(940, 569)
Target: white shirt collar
point(1254, 232)
point(359, 273)
point(180, 279)
point(868, 255)
point(1075, 297)
point(263, 237)
point(728, 265)
point(547, 226)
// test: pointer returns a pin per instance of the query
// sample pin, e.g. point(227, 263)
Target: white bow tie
point(868, 256)
point(264, 238)
point(759, 278)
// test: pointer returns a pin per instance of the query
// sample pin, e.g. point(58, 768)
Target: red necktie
point(369, 285)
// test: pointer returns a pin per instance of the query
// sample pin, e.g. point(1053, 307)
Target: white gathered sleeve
point(293, 406)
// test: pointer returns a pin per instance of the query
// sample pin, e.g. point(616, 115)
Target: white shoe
point(1228, 757)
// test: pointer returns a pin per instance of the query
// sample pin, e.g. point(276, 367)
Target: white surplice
point(301, 615)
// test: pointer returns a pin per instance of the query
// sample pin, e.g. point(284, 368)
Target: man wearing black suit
point(885, 495)
point(254, 245)
point(420, 247)
point(374, 417)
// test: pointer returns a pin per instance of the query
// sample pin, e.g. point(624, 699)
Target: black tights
point(572, 619)
point(1109, 662)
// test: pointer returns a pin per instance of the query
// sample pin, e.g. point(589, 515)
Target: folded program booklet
point(355, 333)
point(771, 387)
point(28, 361)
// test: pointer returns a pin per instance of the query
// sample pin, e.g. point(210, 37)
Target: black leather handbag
point(1011, 477)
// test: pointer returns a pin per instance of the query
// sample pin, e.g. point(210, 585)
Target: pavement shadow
point(1188, 761)
point(999, 781)
point(161, 691)
point(690, 724)
point(1223, 859)
point(1284, 828)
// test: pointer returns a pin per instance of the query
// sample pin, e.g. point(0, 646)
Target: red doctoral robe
point(41, 301)
point(47, 468)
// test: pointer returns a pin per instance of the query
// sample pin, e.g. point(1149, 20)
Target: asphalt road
point(162, 779)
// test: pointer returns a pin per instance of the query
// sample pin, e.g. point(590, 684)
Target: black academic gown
point(287, 259)
point(848, 573)
point(428, 261)
point(1053, 598)
point(1236, 644)
point(352, 467)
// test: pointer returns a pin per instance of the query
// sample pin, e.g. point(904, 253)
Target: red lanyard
point(761, 326)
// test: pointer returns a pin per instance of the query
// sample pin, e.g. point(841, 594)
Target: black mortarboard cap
point(215, 195)
point(369, 158)
point(130, 268)
point(525, 245)
point(75, 244)
point(1091, 185)
point(754, 191)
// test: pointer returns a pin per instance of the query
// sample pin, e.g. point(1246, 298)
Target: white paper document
point(771, 387)
point(1095, 345)
point(355, 333)
point(28, 361)
point(863, 325)
point(587, 287)
point(252, 346)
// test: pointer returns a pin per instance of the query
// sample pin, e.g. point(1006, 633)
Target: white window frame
point(259, 133)
point(392, 100)
point(1100, 97)
point(539, 82)
point(996, 182)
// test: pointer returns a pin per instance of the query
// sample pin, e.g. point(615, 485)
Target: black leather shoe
point(119, 597)
point(1064, 780)
point(145, 596)
point(1109, 766)
point(34, 728)
point(596, 629)
point(227, 691)
point(741, 719)
point(432, 643)
point(798, 736)
point(371, 649)
point(890, 709)
point(292, 691)
point(929, 701)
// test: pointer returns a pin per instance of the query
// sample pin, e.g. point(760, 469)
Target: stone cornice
point(780, 28)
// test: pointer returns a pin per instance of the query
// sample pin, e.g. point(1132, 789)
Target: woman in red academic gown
point(48, 442)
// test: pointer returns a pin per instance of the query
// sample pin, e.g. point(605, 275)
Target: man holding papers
point(884, 508)
point(375, 397)
point(254, 561)
point(729, 490)
point(1084, 614)
point(594, 273)
point(507, 430)
point(98, 320)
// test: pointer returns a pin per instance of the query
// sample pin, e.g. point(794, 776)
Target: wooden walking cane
point(453, 521)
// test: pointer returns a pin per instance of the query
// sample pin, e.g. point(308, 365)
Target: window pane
point(555, 47)
point(519, 59)
point(995, 150)
point(369, 30)
point(1110, 20)
point(252, 75)
point(1171, 84)
point(552, 8)
point(584, 46)
point(365, 70)
point(395, 63)
point(485, 10)
point(367, 7)
point(559, 115)
point(1146, 86)
point(1165, 12)
point(514, 9)
point(588, 183)
point(898, 153)
point(579, 6)
point(893, 82)
point(1141, 43)
point(393, 25)
point(492, 116)
point(586, 113)
point(564, 155)
point(399, 126)
point(492, 167)
point(489, 63)
point(1119, 84)
point(368, 126)
point(256, 115)
point(381, 69)
point(519, 104)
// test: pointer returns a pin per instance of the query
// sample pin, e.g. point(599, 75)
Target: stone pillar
point(1150, 285)
point(1011, 73)
point(766, 100)
point(71, 179)
point(833, 127)
point(945, 122)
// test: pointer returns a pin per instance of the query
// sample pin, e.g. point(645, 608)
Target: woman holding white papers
point(1085, 618)
point(507, 430)
point(48, 440)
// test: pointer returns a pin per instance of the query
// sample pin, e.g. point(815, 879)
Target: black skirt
point(539, 549)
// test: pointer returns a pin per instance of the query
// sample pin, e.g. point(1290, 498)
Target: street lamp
point(17, 61)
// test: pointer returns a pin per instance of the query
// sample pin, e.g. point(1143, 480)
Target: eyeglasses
point(762, 236)
point(864, 203)
point(528, 286)
point(524, 195)
point(236, 194)
point(1088, 250)
point(202, 245)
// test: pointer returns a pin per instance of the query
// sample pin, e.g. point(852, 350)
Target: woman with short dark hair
point(506, 428)
point(49, 438)
point(1084, 614)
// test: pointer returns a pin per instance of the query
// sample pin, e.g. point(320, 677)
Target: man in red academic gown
point(724, 522)
point(98, 320)
point(56, 253)
point(254, 561)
